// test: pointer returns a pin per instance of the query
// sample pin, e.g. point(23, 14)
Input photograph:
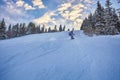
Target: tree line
point(104, 21)
point(22, 29)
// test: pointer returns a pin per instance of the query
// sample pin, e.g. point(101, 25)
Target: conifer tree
point(49, 29)
point(55, 28)
point(99, 19)
point(84, 24)
point(109, 19)
point(64, 28)
point(23, 29)
point(31, 28)
point(60, 28)
point(46, 31)
point(2, 29)
point(43, 29)
point(38, 29)
point(15, 30)
point(9, 32)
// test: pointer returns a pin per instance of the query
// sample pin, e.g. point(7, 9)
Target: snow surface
point(53, 56)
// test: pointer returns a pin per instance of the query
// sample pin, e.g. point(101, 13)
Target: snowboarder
point(71, 34)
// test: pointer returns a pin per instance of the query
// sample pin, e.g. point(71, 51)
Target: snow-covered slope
point(53, 56)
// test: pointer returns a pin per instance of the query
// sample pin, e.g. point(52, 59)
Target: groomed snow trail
point(53, 56)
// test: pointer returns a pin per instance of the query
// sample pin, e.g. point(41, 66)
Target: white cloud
point(88, 1)
point(28, 7)
point(64, 7)
point(75, 12)
point(46, 18)
point(38, 3)
point(78, 6)
point(71, 14)
point(13, 14)
point(20, 3)
point(12, 9)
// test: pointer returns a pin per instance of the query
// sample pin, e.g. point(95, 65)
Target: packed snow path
point(53, 56)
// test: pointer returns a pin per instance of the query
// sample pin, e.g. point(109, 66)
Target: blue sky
point(48, 12)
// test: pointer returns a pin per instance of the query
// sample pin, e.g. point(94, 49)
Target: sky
point(49, 12)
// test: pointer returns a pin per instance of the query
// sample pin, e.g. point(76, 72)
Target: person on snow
point(71, 34)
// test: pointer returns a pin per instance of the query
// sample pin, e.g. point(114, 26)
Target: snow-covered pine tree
point(99, 19)
point(31, 28)
point(2, 29)
point(15, 30)
point(38, 29)
point(43, 29)
point(118, 26)
point(116, 20)
point(60, 28)
point(90, 24)
point(24, 29)
point(46, 30)
point(20, 29)
point(49, 29)
point(84, 24)
point(9, 31)
point(55, 29)
point(110, 24)
point(64, 28)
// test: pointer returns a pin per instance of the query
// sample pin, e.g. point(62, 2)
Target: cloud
point(64, 6)
point(89, 1)
point(13, 14)
point(46, 18)
point(38, 3)
point(20, 3)
point(70, 13)
point(11, 8)
point(76, 12)
point(28, 7)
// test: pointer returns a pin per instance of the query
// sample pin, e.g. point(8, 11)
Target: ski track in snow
point(53, 56)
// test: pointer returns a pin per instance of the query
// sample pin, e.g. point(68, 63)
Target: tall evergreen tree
point(9, 28)
point(38, 29)
point(46, 31)
point(49, 29)
point(23, 29)
point(90, 22)
point(9, 32)
point(43, 29)
point(2, 29)
point(84, 24)
point(15, 30)
point(55, 28)
point(109, 22)
point(99, 14)
point(99, 19)
point(64, 28)
point(31, 28)
point(60, 28)
point(20, 29)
